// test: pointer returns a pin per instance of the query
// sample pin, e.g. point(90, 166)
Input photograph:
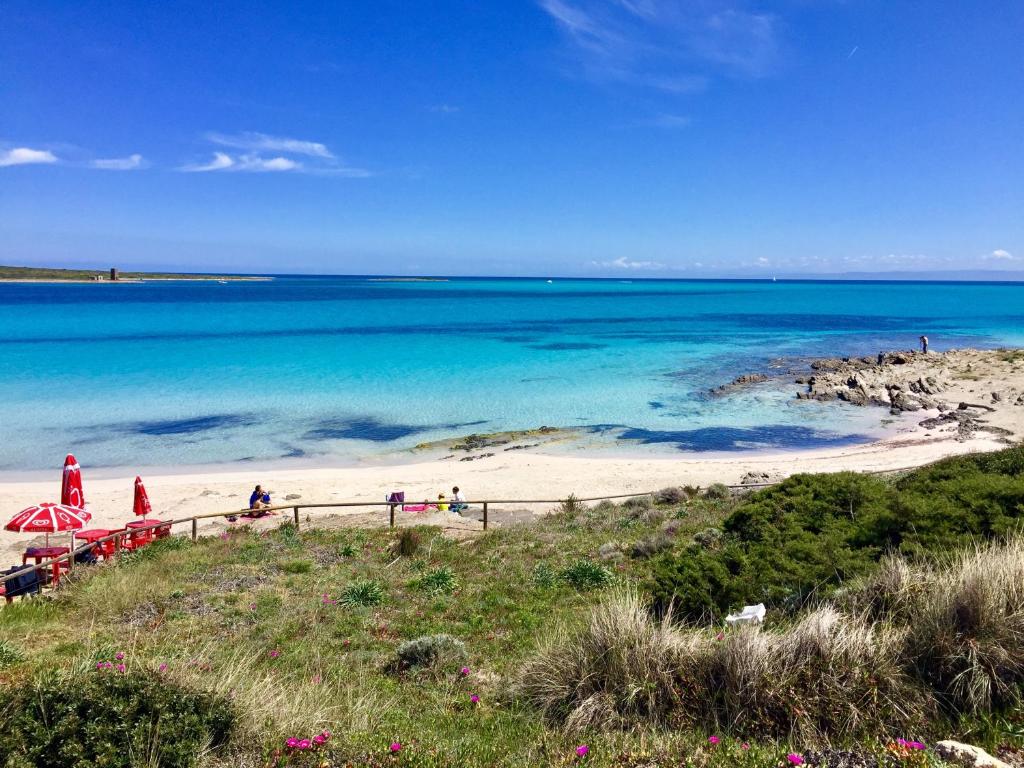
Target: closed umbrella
point(71, 484)
point(48, 518)
point(142, 505)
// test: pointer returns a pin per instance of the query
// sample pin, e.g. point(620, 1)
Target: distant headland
point(112, 275)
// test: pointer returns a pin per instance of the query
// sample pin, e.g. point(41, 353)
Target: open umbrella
point(48, 518)
point(142, 505)
point(71, 484)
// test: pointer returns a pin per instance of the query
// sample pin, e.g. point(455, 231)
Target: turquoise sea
point(337, 369)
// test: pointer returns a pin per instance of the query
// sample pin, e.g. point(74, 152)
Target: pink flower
point(744, 745)
point(319, 739)
point(915, 745)
point(275, 653)
point(474, 699)
point(315, 679)
point(326, 735)
point(292, 742)
point(305, 744)
point(99, 665)
point(795, 759)
point(119, 655)
point(713, 740)
point(120, 667)
point(162, 668)
point(720, 636)
point(464, 671)
point(252, 606)
point(582, 750)
point(395, 748)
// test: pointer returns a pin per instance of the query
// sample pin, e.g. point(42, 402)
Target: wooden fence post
point(117, 547)
point(195, 530)
point(392, 509)
point(296, 518)
point(485, 515)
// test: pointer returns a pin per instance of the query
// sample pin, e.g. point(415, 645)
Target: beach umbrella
point(71, 485)
point(48, 518)
point(142, 505)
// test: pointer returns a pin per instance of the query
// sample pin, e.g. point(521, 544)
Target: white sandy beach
point(966, 376)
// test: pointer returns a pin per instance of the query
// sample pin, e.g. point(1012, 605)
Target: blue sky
point(564, 137)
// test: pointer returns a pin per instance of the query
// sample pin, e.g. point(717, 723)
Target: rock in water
point(967, 755)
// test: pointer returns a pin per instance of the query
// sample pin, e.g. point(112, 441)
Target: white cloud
point(1000, 255)
point(26, 156)
point(623, 263)
point(261, 142)
point(666, 44)
point(220, 162)
point(130, 163)
point(446, 109)
point(762, 261)
point(256, 163)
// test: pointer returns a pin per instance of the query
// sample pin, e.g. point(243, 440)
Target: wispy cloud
point(263, 153)
point(1000, 255)
point(624, 263)
point(445, 109)
point(667, 121)
point(26, 156)
point(666, 44)
point(220, 162)
point(261, 142)
point(130, 163)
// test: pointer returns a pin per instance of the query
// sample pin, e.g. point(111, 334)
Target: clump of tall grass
point(828, 674)
point(964, 615)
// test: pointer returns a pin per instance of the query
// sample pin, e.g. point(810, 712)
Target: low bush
point(810, 534)
point(110, 719)
point(544, 576)
point(362, 593)
point(673, 495)
point(9, 655)
point(585, 574)
point(439, 581)
point(638, 503)
point(436, 652)
point(296, 566)
point(718, 491)
point(652, 545)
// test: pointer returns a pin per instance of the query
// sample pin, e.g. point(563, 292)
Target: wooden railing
point(118, 536)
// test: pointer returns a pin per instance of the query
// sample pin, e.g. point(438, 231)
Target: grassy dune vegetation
point(592, 637)
point(45, 273)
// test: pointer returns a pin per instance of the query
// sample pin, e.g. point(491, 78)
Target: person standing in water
point(924, 344)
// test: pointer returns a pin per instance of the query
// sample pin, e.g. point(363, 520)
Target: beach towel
point(418, 507)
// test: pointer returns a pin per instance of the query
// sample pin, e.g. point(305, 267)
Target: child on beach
point(442, 505)
point(458, 500)
point(258, 501)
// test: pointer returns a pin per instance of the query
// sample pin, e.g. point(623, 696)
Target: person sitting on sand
point(458, 500)
point(259, 501)
point(442, 505)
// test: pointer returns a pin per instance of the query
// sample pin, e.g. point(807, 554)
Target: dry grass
point(912, 638)
point(828, 674)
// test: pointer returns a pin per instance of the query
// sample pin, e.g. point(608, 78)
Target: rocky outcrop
point(967, 755)
point(879, 382)
point(739, 383)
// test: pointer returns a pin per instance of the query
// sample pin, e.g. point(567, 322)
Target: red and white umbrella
point(142, 505)
point(71, 484)
point(48, 518)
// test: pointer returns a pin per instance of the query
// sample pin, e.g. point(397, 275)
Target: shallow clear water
point(335, 368)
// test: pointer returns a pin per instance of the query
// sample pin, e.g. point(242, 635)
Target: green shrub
point(436, 652)
point(718, 491)
point(811, 533)
point(544, 576)
point(585, 574)
point(9, 655)
point(112, 720)
point(571, 506)
point(672, 495)
point(439, 581)
point(348, 549)
point(296, 566)
point(362, 593)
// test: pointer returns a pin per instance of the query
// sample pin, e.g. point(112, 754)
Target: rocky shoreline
point(969, 389)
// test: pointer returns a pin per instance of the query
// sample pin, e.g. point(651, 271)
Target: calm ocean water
point(329, 369)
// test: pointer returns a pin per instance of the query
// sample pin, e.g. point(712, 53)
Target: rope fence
point(118, 536)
